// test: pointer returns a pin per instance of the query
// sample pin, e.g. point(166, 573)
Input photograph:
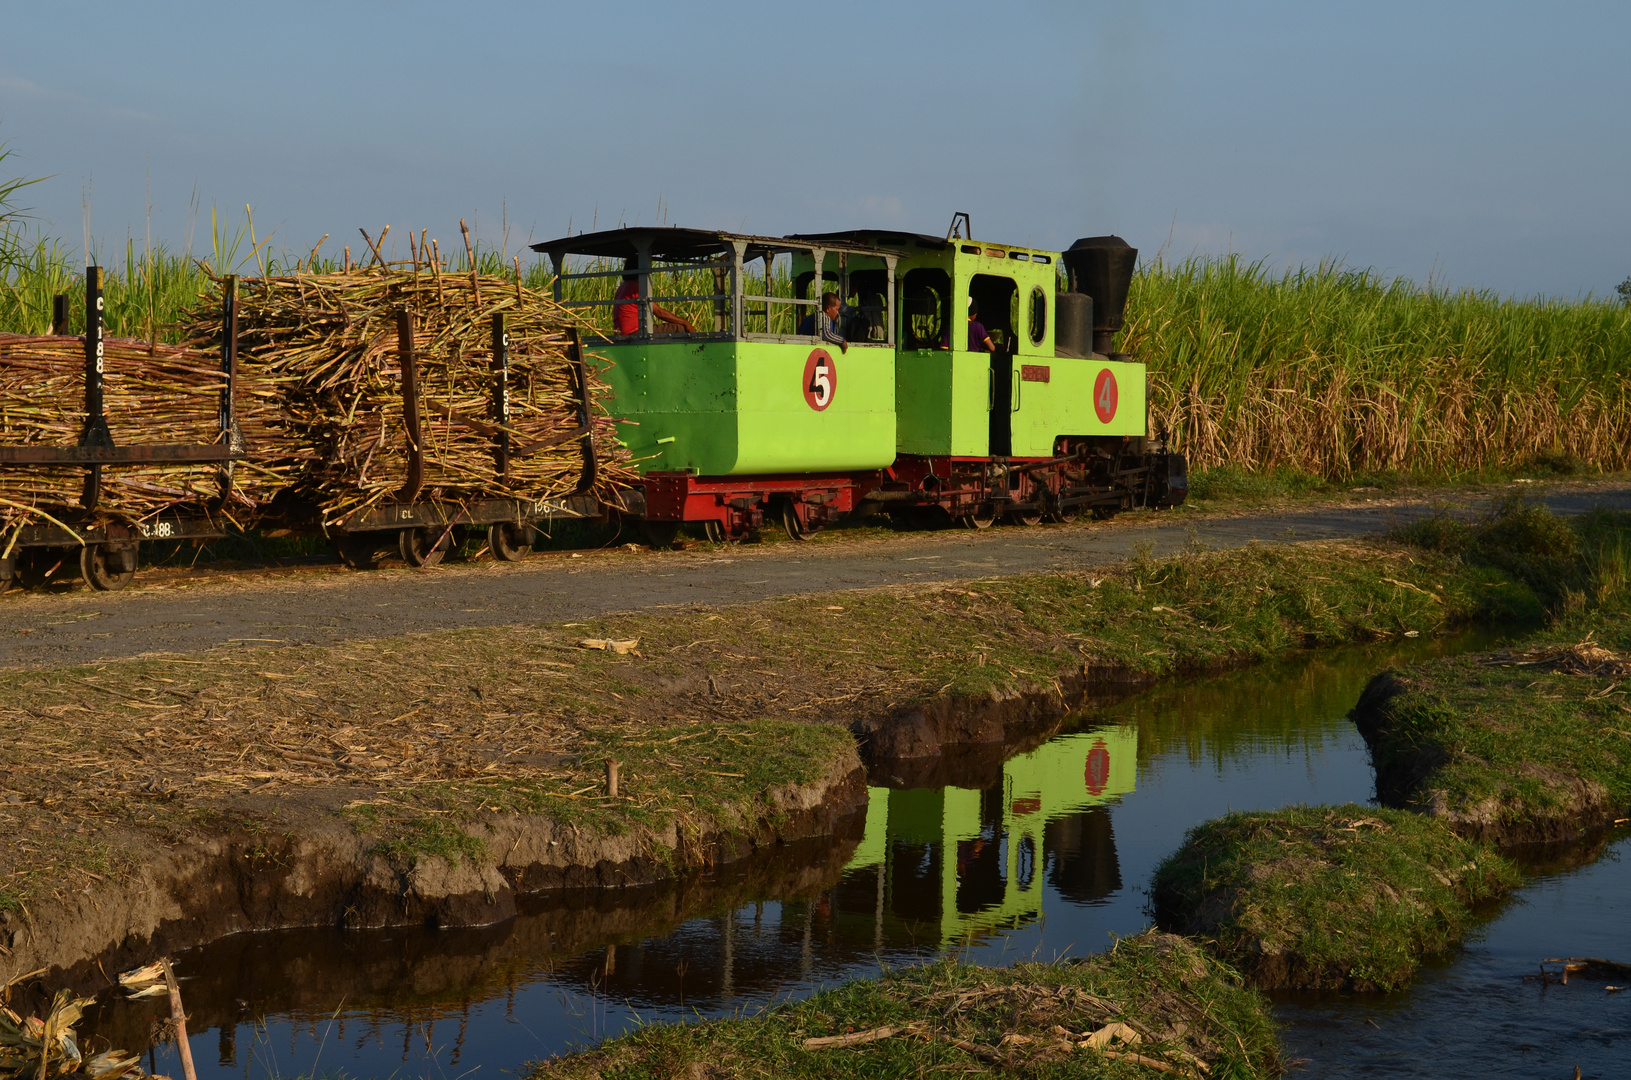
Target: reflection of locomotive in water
point(936, 867)
point(955, 862)
point(740, 410)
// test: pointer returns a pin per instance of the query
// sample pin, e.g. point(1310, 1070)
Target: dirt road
point(325, 605)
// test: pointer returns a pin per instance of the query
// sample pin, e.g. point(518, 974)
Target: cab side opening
point(996, 299)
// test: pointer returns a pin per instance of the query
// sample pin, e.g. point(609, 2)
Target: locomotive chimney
point(1102, 267)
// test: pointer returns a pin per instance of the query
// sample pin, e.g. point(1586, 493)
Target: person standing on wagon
point(626, 306)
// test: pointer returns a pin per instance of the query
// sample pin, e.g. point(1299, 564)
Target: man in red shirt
point(626, 313)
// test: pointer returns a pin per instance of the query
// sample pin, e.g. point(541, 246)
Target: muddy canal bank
point(429, 779)
point(1043, 853)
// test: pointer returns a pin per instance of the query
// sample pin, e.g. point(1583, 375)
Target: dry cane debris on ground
point(1585, 658)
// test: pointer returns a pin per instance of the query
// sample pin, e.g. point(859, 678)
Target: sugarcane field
point(523, 555)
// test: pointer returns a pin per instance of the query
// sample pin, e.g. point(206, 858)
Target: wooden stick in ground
point(611, 778)
point(180, 1019)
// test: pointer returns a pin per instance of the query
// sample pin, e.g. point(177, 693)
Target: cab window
point(925, 312)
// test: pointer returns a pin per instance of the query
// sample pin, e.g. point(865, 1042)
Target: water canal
point(1042, 855)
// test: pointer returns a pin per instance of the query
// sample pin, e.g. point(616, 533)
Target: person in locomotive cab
point(830, 306)
point(979, 338)
point(626, 310)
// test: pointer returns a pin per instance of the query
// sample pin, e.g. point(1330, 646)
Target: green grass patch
point(1348, 897)
point(1534, 742)
point(1027, 1019)
point(409, 838)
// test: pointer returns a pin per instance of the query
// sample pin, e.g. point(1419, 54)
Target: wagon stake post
point(410, 407)
point(96, 432)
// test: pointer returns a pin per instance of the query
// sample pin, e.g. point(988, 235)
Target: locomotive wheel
point(659, 535)
point(982, 517)
point(1027, 516)
point(790, 523)
point(714, 531)
point(423, 547)
point(1062, 515)
point(360, 551)
point(1105, 513)
point(102, 567)
point(509, 542)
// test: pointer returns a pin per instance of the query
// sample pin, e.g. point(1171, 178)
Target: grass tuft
point(1342, 897)
point(947, 1017)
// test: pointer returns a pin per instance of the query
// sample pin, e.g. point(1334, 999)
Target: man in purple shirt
point(979, 339)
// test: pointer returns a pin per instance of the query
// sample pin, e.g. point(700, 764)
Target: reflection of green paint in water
point(986, 859)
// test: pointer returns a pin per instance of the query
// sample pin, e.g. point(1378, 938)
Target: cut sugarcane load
point(397, 383)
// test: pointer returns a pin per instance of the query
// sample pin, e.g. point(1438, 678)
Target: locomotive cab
point(1026, 399)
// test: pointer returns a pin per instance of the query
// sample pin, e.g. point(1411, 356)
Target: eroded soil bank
point(156, 803)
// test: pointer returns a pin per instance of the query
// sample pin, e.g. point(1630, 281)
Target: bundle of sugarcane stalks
point(328, 349)
point(152, 394)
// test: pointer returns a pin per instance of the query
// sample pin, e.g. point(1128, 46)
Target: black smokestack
point(1102, 267)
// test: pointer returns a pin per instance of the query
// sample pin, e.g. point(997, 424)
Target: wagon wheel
point(659, 535)
point(102, 566)
point(423, 547)
point(714, 531)
point(360, 551)
point(509, 542)
point(790, 523)
point(981, 517)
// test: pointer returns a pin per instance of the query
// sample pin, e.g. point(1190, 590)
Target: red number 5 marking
point(820, 380)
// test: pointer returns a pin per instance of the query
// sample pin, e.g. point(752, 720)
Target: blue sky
point(1485, 144)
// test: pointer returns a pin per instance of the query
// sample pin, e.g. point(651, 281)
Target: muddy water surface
point(1042, 855)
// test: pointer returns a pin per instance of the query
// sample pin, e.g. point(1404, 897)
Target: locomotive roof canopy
point(893, 238)
point(896, 240)
point(689, 245)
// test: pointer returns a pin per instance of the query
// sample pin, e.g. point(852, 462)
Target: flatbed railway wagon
point(73, 529)
point(422, 530)
point(746, 414)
